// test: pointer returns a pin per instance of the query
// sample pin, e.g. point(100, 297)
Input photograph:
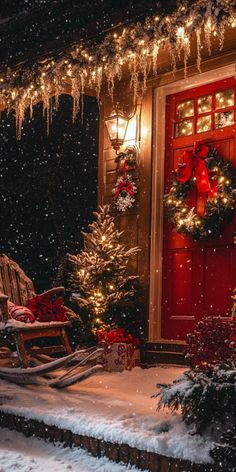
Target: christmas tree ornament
point(214, 176)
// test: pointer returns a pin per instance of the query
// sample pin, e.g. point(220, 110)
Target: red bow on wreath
point(124, 185)
point(194, 162)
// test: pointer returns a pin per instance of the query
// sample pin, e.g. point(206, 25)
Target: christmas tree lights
point(100, 281)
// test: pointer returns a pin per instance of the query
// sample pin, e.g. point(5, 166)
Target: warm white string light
point(137, 46)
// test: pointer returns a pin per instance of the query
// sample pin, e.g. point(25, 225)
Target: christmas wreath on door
point(213, 175)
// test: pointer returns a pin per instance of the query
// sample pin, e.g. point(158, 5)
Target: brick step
point(165, 346)
point(158, 357)
point(128, 455)
point(163, 353)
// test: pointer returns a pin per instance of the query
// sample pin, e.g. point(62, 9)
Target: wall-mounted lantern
point(117, 124)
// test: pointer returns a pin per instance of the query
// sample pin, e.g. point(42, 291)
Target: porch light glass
point(117, 125)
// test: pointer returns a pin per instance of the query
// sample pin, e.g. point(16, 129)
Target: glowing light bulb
point(180, 32)
point(189, 22)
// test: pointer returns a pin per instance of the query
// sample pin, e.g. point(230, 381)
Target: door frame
point(159, 110)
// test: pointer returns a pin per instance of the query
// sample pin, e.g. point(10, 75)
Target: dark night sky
point(48, 187)
point(32, 28)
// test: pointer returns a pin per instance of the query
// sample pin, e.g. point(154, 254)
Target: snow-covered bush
point(210, 342)
point(206, 398)
point(224, 453)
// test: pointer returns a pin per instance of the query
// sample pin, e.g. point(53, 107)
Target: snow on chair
point(17, 288)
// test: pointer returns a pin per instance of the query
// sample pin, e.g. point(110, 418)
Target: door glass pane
point(204, 104)
point(185, 109)
point(225, 99)
point(223, 119)
point(185, 128)
point(204, 124)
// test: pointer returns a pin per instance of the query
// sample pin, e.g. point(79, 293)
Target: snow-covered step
point(163, 353)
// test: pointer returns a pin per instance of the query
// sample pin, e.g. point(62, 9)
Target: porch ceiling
point(34, 29)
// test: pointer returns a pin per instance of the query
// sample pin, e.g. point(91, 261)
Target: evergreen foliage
point(100, 281)
point(206, 398)
point(218, 210)
point(224, 453)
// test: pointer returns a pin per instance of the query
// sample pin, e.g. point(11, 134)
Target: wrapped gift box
point(120, 356)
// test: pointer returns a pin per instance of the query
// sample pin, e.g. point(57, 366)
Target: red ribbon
point(194, 162)
point(124, 185)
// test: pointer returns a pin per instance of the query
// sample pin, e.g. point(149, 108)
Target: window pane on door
point(204, 104)
point(185, 109)
point(225, 99)
point(224, 118)
point(204, 124)
point(184, 128)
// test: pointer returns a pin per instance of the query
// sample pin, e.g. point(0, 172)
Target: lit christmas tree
point(100, 281)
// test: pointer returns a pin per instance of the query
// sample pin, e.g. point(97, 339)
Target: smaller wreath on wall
point(124, 192)
point(213, 175)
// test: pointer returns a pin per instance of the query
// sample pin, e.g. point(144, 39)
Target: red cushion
point(22, 313)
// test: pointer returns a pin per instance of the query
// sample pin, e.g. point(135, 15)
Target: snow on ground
point(116, 407)
point(21, 454)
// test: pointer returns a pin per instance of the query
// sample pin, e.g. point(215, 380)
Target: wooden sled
point(46, 375)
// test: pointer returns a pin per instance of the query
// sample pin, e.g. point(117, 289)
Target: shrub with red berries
point(212, 342)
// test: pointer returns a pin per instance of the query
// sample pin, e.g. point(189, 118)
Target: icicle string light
point(90, 64)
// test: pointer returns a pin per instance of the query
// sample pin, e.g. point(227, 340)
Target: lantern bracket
point(130, 156)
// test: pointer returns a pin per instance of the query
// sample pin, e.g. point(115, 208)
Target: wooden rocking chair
point(16, 287)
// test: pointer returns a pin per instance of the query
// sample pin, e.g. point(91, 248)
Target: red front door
point(198, 277)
